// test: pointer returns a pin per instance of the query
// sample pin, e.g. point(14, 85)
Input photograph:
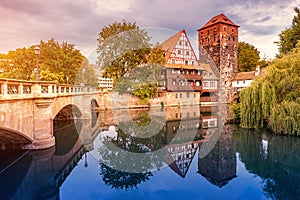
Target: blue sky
point(25, 23)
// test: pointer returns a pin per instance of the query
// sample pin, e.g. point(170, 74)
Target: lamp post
point(37, 51)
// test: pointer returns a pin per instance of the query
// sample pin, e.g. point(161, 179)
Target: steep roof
point(169, 44)
point(219, 19)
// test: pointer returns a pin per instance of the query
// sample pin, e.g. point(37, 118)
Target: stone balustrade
point(11, 89)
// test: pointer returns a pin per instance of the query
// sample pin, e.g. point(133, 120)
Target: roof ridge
point(221, 18)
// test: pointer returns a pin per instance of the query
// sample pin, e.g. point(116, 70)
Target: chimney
point(257, 70)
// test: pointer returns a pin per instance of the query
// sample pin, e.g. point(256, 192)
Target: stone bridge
point(28, 109)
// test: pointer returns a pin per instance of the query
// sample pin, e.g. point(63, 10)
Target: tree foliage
point(290, 36)
point(275, 97)
point(57, 62)
point(124, 47)
point(87, 75)
point(248, 57)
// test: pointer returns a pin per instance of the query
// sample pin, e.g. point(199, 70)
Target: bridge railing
point(18, 89)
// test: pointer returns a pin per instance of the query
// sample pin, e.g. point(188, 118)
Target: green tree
point(124, 53)
point(275, 97)
point(57, 62)
point(290, 36)
point(248, 57)
point(122, 46)
point(20, 65)
point(87, 75)
point(61, 59)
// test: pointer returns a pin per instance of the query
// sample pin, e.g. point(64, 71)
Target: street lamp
point(37, 51)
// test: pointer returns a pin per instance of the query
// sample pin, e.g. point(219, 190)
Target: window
point(179, 52)
point(180, 95)
point(186, 62)
point(176, 95)
point(224, 28)
point(173, 61)
point(244, 81)
point(180, 43)
point(212, 84)
point(194, 95)
point(174, 83)
point(187, 53)
point(187, 95)
point(193, 62)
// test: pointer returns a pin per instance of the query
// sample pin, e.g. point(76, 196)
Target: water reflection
point(219, 166)
point(187, 139)
point(276, 159)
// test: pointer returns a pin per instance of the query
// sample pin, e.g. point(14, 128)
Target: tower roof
point(219, 19)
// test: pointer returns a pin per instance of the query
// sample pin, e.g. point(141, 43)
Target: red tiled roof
point(219, 19)
point(244, 76)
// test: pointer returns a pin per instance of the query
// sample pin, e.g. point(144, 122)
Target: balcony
point(184, 88)
point(185, 76)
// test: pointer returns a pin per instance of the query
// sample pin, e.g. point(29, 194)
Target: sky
point(25, 22)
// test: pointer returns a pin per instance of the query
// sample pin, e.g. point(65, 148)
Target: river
point(171, 153)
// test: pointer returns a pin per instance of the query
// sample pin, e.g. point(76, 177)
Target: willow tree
point(275, 97)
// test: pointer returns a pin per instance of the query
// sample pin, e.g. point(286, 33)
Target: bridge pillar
point(43, 126)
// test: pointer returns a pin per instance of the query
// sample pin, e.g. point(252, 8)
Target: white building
point(244, 79)
point(105, 83)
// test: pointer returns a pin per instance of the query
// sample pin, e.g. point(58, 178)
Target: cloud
point(262, 21)
point(24, 23)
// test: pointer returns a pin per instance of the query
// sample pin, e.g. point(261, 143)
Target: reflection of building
point(219, 166)
point(180, 157)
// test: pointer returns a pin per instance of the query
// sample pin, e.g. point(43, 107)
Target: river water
point(155, 154)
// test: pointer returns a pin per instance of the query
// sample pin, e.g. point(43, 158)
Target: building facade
point(244, 79)
point(183, 77)
point(218, 46)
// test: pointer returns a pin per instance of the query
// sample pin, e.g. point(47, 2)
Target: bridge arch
point(68, 112)
point(13, 139)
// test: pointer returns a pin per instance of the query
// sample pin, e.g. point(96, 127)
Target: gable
point(179, 50)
